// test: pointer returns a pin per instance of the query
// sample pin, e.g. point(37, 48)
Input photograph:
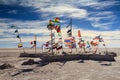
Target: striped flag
point(20, 45)
point(70, 42)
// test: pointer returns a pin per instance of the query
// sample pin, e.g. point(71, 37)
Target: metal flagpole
point(105, 46)
point(35, 42)
point(71, 33)
point(52, 42)
point(21, 43)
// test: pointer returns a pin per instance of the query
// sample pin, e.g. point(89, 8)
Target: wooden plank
point(96, 57)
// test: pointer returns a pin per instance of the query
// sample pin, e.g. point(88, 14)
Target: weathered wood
point(96, 57)
point(68, 57)
point(32, 55)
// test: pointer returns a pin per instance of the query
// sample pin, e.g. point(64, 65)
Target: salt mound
point(30, 62)
point(6, 66)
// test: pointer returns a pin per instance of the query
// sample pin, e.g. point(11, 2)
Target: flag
point(79, 34)
point(60, 40)
point(47, 45)
point(59, 34)
point(20, 45)
point(13, 26)
point(57, 20)
point(70, 42)
point(101, 40)
point(81, 43)
point(94, 43)
point(16, 31)
point(97, 37)
point(50, 25)
point(57, 28)
point(104, 45)
point(59, 46)
point(70, 24)
point(18, 36)
point(33, 43)
point(69, 32)
point(33, 46)
point(88, 44)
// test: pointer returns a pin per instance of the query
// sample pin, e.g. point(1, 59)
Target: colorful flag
point(57, 20)
point(33, 43)
point(97, 37)
point(59, 46)
point(34, 46)
point(88, 44)
point(20, 45)
point(69, 32)
point(57, 28)
point(81, 43)
point(101, 40)
point(79, 34)
point(94, 43)
point(51, 23)
point(70, 42)
point(50, 27)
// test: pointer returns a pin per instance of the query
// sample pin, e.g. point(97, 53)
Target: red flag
point(31, 42)
point(79, 34)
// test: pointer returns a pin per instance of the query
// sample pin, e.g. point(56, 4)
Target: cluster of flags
point(18, 36)
point(58, 45)
point(33, 43)
point(70, 42)
point(97, 40)
point(55, 24)
point(69, 26)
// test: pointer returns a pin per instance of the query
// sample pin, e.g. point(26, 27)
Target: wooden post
point(71, 32)
point(35, 43)
point(52, 42)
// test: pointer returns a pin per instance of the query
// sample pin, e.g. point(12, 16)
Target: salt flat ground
point(70, 70)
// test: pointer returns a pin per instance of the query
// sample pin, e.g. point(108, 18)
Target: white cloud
point(12, 12)
point(102, 20)
point(96, 4)
point(69, 8)
point(66, 10)
point(110, 37)
point(63, 8)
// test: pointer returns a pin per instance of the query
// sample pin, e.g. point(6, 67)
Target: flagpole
point(51, 42)
point(105, 46)
point(71, 33)
point(21, 43)
point(35, 43)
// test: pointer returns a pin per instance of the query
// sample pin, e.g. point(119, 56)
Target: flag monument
point(20, 44)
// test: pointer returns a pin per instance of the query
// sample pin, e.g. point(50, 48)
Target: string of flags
point(54, 26)
point(18, 36)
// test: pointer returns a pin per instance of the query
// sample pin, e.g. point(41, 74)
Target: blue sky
point(92, 17)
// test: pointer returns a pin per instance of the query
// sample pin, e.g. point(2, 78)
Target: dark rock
point(6, 66)
point(30, 62)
